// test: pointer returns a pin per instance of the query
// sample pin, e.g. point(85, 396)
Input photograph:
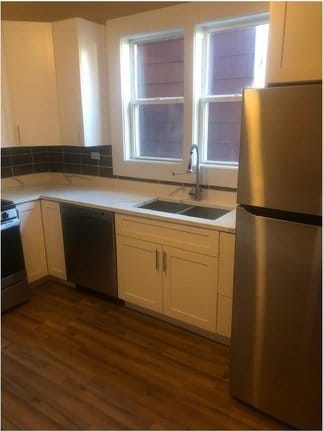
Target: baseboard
point(50, 278)
point(218, 338)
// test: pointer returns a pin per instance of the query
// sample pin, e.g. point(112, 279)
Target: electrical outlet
point(95, 156)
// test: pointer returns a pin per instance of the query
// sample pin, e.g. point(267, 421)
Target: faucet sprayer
point(196, 191)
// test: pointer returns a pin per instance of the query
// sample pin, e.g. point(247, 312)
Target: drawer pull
point(157, 260)
point(19, 135)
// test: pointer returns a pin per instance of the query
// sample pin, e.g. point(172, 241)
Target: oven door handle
point(10, 224)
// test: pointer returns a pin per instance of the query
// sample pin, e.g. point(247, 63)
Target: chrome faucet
point(196, 191)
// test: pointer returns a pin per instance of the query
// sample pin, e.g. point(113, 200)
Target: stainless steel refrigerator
point(276, 324)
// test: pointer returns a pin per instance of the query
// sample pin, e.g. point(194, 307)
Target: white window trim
point(131, 100)
point(187, 16)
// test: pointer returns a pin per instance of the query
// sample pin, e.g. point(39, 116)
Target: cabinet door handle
point(18, 135)
point(164, 262)
point(157, 260)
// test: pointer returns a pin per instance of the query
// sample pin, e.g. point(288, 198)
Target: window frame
point(187, 17)
point(131, 100)
point(202, 96)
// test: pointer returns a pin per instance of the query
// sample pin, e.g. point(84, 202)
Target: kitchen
point(137, 193)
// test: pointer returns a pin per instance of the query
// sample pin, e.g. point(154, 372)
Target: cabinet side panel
point(33, 240)
point(53, 239)
point(91, 52)
point(68, 80)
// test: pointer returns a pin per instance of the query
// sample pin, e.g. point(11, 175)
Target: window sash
point(204, 124)
point(204, 34)
point(157, 101)
point(135, 102)
point(135, 129)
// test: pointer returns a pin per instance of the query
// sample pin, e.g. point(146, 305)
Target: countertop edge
point(220, 224)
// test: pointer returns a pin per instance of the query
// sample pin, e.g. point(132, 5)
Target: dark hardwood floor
point(73, 361)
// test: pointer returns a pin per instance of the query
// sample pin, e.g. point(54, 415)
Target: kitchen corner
point(161, 223)
point(118, 195)
point(198, 247)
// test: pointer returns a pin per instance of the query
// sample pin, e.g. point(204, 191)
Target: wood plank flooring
point(73, 361)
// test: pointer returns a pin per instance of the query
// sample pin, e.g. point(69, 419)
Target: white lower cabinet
point(139, 277)
point(225, 284)
point(53, 238)
point(175, 281)
point(190, 284)
point(32, 237)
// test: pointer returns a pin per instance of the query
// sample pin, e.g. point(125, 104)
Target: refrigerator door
point(280, 154)
point(276, 327)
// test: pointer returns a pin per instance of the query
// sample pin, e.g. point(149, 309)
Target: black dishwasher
point(89, 245)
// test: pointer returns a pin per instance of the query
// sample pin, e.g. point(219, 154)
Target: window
point(233, 56)
point(182, 85)
point(154, 100)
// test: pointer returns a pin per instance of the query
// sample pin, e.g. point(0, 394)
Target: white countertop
point(119, 196)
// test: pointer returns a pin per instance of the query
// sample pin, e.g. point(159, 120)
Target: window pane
point(160, 67)
point(161, 130)
point(224, 131)
point(231, 60)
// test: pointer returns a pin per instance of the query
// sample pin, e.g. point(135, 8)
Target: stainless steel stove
point(14, 285)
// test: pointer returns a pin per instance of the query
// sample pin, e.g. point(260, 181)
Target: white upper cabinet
point(295, 42)
point(31, 84)
point(79, 60)
point(8, 138)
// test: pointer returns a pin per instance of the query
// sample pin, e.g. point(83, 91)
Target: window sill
point(210, 175)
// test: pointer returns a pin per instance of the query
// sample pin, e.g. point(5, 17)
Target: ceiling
point(98, 11)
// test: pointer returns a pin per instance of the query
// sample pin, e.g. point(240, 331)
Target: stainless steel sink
point(166, 206)
point(205, 212)
point(209, 213)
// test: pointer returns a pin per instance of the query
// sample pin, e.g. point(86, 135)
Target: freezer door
point(276, 328)
point(280, 154)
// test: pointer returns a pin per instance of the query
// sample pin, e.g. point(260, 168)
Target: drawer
point(190, 238)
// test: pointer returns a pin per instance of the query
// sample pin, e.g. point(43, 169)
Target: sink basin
point(210, 213)
point(166, 206)
point(205, 212)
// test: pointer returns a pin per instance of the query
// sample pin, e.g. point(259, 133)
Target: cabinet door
point(8, 138)
point(33, 240)
point(53, 239)
point(29, 59)
point(295, 45)
point(190, 287)
point(139, 272)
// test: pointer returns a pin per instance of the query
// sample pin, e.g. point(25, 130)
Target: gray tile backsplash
point(74, 160)
point(67, 159)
